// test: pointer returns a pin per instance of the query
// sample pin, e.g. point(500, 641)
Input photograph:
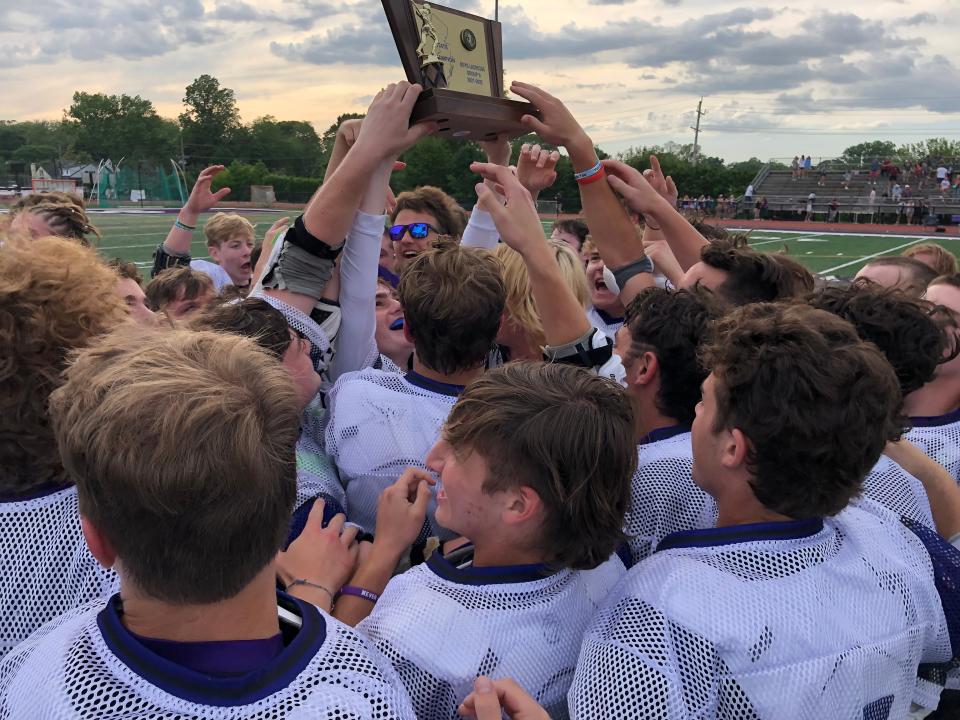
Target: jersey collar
point(608, 318)
point(936, 420)
point(732, 534)
point(434, 386)
point(664, 433)
point(205, 689)
point(466, 574)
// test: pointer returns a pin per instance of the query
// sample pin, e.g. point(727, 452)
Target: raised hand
point(535, 168)
point(349, 131)
point(201, 199)
point(639, 194)
point(498, 151)
point(557, 126)
point(272, 231)
point(663, 185)
point(386, 131)
point(491, 697)
point(517, 222)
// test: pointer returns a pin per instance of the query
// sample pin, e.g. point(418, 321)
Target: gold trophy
point(458, 59)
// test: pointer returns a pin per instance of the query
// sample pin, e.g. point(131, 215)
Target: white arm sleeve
point(358, 290)
point(480, 231)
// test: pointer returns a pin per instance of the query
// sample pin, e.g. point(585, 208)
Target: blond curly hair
point(55, 297)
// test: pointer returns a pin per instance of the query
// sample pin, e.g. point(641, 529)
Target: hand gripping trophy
point(431, 66)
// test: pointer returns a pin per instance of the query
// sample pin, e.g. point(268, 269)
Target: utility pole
point(696, 132)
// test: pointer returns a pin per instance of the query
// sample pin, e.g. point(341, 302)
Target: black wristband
point(298, 235)
point(624, 273)
point(163, 260)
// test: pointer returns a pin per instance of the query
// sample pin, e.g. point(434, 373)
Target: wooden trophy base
point(471, 117)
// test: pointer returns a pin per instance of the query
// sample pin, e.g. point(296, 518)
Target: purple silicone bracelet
point(359, 592)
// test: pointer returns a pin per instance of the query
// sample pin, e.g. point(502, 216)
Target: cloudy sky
point(778, 79)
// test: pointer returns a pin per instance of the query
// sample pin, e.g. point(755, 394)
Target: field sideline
point(134, 236)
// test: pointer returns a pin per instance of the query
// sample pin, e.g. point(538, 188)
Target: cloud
point(130, 31)
point(920, 19)
point(888, 83)
point(346, 45)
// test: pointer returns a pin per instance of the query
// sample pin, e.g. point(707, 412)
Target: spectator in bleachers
point(834, 214)
point(936, 256)
point(795, 168)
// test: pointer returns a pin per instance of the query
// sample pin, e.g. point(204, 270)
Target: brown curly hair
point(816, 403)
point(55, 296)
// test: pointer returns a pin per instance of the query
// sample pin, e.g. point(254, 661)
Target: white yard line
point(849, 234)
point(868, 257)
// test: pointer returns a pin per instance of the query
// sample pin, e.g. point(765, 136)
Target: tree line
point(292, 156)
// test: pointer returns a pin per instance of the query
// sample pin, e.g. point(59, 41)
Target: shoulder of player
point(46, 645)
point(216, 273)
point(366, 383)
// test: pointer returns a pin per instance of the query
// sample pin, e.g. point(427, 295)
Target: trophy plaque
point(458, 59)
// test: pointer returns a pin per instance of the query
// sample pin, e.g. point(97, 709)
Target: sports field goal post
point(548, 207)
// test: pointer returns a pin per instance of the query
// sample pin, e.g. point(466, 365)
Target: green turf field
point(840, 254)
point(135, 236)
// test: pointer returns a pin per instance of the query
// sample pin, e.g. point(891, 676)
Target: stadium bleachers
point(787, 197)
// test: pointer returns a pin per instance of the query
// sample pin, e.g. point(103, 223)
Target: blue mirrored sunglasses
point(418, 231)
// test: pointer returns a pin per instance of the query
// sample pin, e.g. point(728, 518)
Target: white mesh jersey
point(45, 566)
point(86, 665)
point(805, 619)
point(381, 423)
point(316, 474)
point(604, 322)
point(442, 625)
point(939, 438)
point(898, 491)
point(320, 335)
point(663, 497)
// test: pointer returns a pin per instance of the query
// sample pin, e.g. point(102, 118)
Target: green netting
point(156, 185)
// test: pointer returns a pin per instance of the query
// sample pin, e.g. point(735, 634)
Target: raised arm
point(319, 233)
point(175, 249)
point(562, 316)
point(610, 226)
point(384, 133)
point(358, 276)
point(689, 242)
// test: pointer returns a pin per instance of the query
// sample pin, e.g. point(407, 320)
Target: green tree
point(288, 147)
point(933, 148)
point(210, 123)
point(115, 126)
point(867, 151)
